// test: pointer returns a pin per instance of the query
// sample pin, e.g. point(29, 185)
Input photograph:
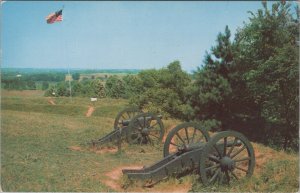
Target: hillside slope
point(41, 150)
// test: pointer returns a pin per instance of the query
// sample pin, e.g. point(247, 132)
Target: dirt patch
point(51, 101)
point(114, 176)
point(104, 150)
point(75, 148)
point(262, 156)
point(90, 111)
point(96, 150)
point(113, 181)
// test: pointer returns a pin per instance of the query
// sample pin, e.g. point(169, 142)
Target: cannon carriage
point(188, 148)
point(226, 156)
point(136, 127)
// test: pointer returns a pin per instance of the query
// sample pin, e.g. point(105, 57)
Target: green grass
point(36, 155)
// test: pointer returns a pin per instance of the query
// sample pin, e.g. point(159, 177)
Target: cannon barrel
point(126, 122)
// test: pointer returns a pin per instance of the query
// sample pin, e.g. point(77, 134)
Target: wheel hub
point(227, 163)
point(145, 131)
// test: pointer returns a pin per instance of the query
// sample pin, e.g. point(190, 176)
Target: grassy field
point(41, 150)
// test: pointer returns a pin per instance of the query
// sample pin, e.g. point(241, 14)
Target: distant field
point(41, 150)
point(100, 75)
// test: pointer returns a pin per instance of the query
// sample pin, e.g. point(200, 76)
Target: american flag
point(54, 17)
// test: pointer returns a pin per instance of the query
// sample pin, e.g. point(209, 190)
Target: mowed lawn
point(42, 150)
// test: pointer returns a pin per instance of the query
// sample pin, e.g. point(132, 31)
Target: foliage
point(45, 85)
point(267, 57)
point(163, 91)
point(133, 85)
point(76, 76)
point(85, 88)
point(114, 87)
point(17, 84)
point(251, 84)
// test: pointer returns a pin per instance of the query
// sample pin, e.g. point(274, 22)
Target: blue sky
point(115, 35)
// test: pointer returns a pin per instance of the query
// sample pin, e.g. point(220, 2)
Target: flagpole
point(69, 75)
point(70, 87)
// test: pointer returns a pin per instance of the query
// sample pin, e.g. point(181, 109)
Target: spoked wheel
point(124, 117)
point(184, 137)
point(227, 157)
point(145, 128)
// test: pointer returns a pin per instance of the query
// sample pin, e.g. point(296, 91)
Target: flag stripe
point(54, 17)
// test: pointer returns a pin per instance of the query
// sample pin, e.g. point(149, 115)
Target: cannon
point(136, 127)
point(226, 156)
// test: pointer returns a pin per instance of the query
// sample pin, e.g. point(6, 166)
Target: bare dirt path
point(114, 176)
point(51, 101)
point(113, 181)
point(90, 111)
point(95, 149)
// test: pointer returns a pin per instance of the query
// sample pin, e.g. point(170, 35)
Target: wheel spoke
point(149, 139)
point(180, 138)
point(233, 145)
point(214, 159)
point(212, 167)
point(243, 159)
point(220, 156)
point(244, 170)
point(225, 145)
point(141, 141)
point(153, 135)
point(144, 121)
point(153, 125)
point(187, 135)
point(122, 116)
point(227, 176)
point(140, 124)
point(239, 151)
point(136, 139)
point(134, 133)
point(214, 176)
point(234, 175)
point(194, 133)
point(174, 144)
point(156, 129)
point(221, 179)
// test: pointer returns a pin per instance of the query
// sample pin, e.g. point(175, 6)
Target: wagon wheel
point(228, 156)
point(145, 128)
point(126, 114)
point(185, 136)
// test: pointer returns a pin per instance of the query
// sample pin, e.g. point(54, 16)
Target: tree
point(31, 85)
point(162, 91)
point(268, 62)
point(133, 86)
point(76, 76)
point(45, 85)
point(114, 87)
point(210, 93)
point(98, 88)
point(62, 89)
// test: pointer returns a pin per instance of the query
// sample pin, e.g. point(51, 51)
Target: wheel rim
point(125, 114)
point(227, 157)
point(145, 128)
point(185, 136)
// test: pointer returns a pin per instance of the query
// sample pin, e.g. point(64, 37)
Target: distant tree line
point(12, 81)
point(17, 84)
point(84, 88)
